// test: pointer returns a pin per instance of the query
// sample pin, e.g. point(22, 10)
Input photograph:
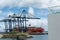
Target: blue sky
point(38, 8)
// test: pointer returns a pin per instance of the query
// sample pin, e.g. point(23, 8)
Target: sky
point(39, 8)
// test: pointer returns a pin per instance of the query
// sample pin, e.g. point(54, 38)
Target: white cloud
point(44, 23)
point(9, 13)
point(26, 2)
point(33, 3)
point(2, 27)
point(4, 15)
point(19, 3)
point(44, 3)
point(31, 11)
point(34, 22)
point(0, 12)
point(9, 3)
point(54, 3)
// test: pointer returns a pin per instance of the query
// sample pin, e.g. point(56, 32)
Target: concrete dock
point(34, 33)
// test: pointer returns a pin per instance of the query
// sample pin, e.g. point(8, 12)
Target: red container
point(40, 29)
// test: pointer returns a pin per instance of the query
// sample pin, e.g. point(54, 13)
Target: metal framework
point(20, 19)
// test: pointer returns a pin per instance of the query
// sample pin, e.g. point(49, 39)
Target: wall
point(54, 27)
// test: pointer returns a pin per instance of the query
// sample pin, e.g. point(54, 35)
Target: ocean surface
point(35, 37)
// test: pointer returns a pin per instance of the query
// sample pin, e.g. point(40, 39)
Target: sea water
point(35, 37)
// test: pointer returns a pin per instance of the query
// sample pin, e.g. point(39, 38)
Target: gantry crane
point(20, 19)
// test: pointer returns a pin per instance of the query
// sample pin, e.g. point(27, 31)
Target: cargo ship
point(29, 29)
point(32, 29)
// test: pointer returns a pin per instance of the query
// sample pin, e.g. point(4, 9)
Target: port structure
point(20, 19)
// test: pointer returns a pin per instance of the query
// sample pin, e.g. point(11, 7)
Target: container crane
point(21, 19)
